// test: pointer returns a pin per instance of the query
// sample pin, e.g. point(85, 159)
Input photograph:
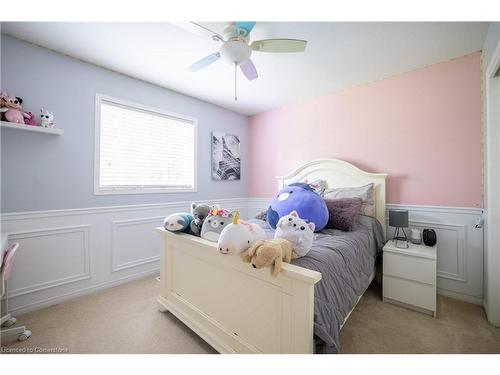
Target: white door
point(492, 258)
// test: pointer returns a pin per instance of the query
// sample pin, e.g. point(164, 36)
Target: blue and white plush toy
point(178, 222)
point(299, 197)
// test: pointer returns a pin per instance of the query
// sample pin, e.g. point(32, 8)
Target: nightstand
point(409, 277)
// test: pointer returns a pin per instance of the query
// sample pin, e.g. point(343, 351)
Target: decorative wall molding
point(52, 283)
point(441, 209)
point(116, 225)
point(460, 231)
point(102, 210)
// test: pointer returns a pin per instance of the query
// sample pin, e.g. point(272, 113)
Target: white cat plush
point(292, 228)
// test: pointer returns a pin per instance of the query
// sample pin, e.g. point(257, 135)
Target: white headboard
point(339, 173)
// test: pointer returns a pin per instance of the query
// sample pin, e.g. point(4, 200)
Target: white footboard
point(233, 307)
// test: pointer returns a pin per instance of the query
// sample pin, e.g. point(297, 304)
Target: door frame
point(492, 190)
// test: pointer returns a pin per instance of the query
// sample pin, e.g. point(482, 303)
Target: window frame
point(98, 190)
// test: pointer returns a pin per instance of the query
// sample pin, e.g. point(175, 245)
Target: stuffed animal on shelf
point(297, 231)
point(3, 104)
point(239, 236)
point(265, 253)
point(178, 222)
point(30, 119)
point(12, 109)
point(301, 198)
point(214, 223)
point(200, 213)
point(47, 118)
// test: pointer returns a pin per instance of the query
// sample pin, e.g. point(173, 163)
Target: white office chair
point(7, 320)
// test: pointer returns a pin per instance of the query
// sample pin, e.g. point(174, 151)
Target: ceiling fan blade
point(279, 45)
point(244, 28)
point(248, 69)
point(199, 29)
point(204, 62)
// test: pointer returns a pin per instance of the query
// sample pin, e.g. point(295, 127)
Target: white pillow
point(364, 192)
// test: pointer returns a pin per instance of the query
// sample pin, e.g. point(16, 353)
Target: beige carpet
point(125, 319)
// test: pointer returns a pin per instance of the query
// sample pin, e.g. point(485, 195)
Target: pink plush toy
point(30, 120)
point(12, 109)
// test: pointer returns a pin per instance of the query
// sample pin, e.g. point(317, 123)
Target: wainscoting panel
point(133, 243)
point(67, 253)
point(460, 245)
point(50, 258)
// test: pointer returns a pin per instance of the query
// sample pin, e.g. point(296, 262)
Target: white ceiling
point(338, 55)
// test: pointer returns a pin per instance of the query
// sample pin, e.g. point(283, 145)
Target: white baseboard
point(460, 296)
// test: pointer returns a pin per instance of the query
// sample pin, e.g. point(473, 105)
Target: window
point(142, 150)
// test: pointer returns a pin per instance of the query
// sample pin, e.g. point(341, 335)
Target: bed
point(238, 309)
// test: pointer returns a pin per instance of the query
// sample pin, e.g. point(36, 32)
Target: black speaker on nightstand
point(429, 237)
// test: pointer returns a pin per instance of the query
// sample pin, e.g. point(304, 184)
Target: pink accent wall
point(423, 128)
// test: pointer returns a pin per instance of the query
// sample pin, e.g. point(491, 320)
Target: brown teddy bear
point(269, 252)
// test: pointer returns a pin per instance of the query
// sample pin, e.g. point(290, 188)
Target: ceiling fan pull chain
point(235, 87)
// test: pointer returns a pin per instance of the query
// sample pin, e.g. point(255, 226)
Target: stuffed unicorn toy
point(239, 236)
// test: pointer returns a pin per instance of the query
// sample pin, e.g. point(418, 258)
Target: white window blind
point(142, 150)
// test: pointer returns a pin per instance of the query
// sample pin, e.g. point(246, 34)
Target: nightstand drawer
point(410, 292)
point(408, 267)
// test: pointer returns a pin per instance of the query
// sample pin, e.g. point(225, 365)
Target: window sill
point(145, 191)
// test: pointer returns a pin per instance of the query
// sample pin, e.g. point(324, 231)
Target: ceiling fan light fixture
point(235, 52)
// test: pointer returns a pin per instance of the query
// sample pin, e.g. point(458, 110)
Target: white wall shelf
point(31, 128)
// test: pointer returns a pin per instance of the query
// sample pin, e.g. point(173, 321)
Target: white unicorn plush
point(239, 236)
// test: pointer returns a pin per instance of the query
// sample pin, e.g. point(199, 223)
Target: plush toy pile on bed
point(293, 236)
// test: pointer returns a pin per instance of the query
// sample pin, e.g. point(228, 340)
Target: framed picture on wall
point(226, 160)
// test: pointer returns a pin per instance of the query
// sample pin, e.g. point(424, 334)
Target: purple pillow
point(342, 212)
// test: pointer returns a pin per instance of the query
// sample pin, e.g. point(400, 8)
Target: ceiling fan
point(236, 48)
